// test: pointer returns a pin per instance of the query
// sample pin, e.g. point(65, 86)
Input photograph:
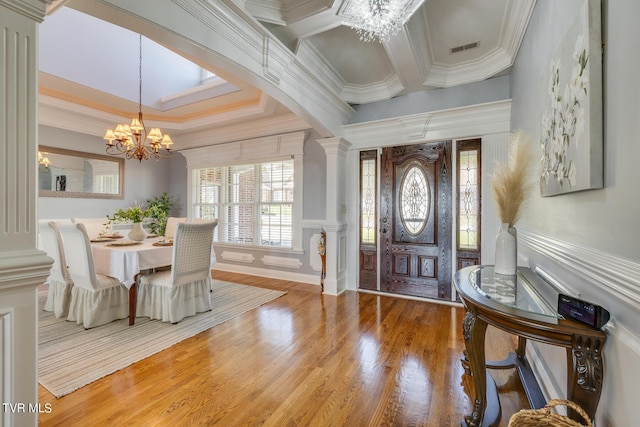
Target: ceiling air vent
point(465, 47)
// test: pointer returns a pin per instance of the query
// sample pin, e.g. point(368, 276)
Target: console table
point(524, 305)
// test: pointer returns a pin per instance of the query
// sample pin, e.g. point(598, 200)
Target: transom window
point(253, 203)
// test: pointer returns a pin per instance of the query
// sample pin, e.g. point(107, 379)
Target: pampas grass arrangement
point(510, 183)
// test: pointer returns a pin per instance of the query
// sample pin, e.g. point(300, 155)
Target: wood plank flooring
point(302, 360)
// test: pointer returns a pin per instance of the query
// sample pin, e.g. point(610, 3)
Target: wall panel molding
point(269, 273)
point(618, 276)
point(278, 261)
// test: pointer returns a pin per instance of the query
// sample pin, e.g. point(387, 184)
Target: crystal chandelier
point(380, 19)
point(130, 140)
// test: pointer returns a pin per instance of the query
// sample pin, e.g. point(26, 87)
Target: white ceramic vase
point(506, 250)
point(137, 233)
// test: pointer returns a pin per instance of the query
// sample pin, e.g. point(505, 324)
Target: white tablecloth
point(124, 262)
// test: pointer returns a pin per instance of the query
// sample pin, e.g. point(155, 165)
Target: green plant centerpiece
point(158, 211)
point(133, 214)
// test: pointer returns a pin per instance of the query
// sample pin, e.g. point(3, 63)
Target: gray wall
point(142, 180)
point(495, 89)
point(178, 185)
point(606, 219)
point(605, 222)
point(315, 178)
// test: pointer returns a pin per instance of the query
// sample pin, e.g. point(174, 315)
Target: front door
point(416, 220)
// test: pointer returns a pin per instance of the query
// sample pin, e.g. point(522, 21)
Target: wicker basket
point(544, 416)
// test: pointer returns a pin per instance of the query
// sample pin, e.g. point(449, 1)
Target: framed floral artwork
point(571, 135)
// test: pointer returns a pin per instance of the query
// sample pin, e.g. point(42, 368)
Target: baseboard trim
point(546, 383)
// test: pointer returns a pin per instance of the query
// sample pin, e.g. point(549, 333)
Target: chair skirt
point(157, 299)
point(58, 298)
point(101, 306)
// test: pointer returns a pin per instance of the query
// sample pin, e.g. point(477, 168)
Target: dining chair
point(183, 291)
point(94, 226)
point(60, 283)
point(172, 223)
point(96, 299)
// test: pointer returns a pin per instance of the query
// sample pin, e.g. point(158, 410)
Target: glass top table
point(523, 305)
point(520, 291)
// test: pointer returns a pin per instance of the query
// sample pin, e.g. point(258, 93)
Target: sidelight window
point(469, 196)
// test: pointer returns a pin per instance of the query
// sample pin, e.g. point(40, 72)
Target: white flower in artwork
point(563, 125)
point(572, 174)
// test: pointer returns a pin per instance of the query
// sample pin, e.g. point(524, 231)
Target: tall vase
point(137, 233)
point(506, 250)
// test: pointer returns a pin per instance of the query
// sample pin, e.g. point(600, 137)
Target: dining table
point(125, 260)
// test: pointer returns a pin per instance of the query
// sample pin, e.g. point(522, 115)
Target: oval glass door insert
point(414, 200)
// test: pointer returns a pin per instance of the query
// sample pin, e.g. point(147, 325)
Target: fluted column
point(335, 216)
point(22, 267)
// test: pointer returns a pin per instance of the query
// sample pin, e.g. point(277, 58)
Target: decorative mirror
point(68, 173)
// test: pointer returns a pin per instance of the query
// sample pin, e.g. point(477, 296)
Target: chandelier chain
point(130, 140)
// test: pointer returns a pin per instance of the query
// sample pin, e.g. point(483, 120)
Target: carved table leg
point(474, 330)
point(585, 368)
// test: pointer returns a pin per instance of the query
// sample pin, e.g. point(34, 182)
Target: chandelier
point(43, 162)
point(130, 140)
point(380, 19)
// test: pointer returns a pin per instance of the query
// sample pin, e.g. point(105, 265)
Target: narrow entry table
point(524, 305)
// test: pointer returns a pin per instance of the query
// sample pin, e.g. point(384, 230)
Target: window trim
point(259, 150)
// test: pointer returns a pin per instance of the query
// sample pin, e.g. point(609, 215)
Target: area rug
point(70, 357)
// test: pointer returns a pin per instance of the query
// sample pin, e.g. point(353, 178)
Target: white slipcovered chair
point(183, 291)
point(94, 226)
point(172, 223)
point(60, 283)
point(96, 299)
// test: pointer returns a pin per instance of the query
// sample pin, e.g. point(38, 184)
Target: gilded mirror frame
point(85, 195)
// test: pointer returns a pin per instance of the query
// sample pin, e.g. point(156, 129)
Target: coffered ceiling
point(445, 43)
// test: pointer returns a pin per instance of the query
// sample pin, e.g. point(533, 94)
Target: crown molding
point(32, 9)
point(285, 123)
point(461, 122)
point(379, 91)
point(326, 74)
point(67, 115)
point(498, 59)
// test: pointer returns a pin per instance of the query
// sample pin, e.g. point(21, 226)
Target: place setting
point(163, 242)
point(124, 243)
point(107, 238)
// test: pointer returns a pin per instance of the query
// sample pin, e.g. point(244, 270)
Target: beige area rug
point(70, 357)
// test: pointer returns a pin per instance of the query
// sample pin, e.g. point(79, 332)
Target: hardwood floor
point(302, 360)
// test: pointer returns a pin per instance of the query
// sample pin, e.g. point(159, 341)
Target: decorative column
point(22, 267)
point(335, 224)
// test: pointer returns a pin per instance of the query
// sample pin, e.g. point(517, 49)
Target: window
point(368, 197)
point(253, 203)
point(469, 195)
point(107, 184)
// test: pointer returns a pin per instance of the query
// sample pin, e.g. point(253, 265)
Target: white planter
point(137, 233)
point(506, 250)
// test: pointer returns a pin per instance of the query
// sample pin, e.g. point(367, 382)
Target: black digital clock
point(582, 311)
